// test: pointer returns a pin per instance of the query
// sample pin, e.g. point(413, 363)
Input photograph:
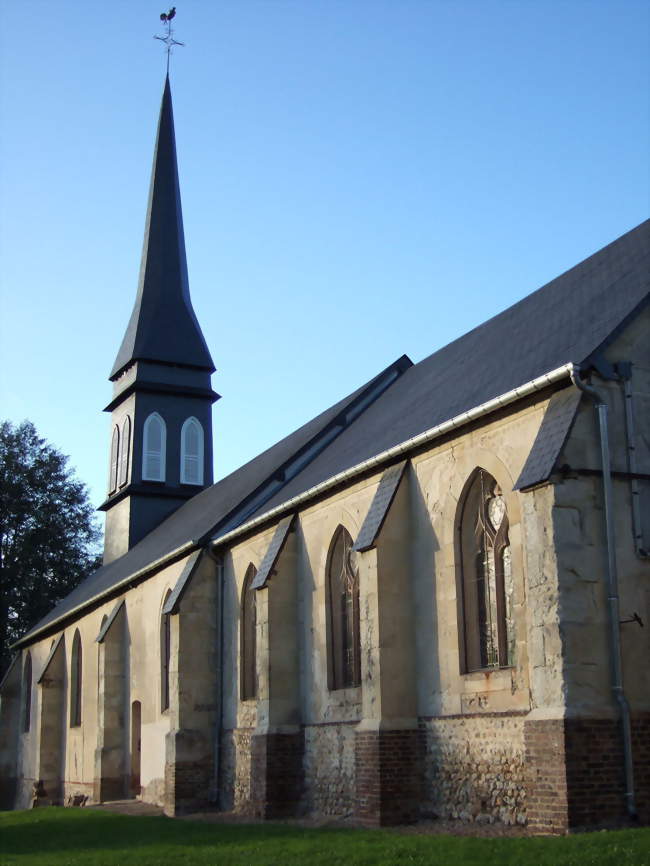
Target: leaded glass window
point(76, 670)
point(344, 649)
point(248, 641)
point(487, 577)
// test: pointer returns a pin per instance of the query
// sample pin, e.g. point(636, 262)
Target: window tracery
point(487, 579)
point(344, 646)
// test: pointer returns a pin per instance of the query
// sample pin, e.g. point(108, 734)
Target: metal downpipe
point(612, 589)
point(217, 558)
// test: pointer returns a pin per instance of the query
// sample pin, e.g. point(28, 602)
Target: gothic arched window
point(165, 655)
point(75, 681)
point(125, 451)
point(487, 582)
point(248, 642)
point(27, 692)
point(191, 452)
point(344, 643)
point(154, 440)
point(115, 456)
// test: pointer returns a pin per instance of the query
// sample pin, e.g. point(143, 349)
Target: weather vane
point(168, 38)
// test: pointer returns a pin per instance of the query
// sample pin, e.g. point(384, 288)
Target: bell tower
point(161, 420)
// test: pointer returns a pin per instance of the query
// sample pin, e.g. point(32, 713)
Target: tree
point(48, 533)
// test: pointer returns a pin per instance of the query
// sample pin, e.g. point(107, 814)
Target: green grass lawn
point(85, 837)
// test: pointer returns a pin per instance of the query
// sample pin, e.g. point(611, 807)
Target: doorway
point(136, 748)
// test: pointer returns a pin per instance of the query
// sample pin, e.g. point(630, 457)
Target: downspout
point(612, 589)
point(217, 558)
point(625, 372)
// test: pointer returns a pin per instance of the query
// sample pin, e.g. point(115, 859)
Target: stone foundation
point(474, 768)
point(388, 767)
point(277, 774)
point(235, 770)
point(329, 769)
point(188, 772)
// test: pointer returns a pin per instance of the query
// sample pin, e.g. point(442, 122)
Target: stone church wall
point(475, 768)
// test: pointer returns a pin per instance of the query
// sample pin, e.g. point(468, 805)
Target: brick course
point(277, 776)
point(388, 768)
point(575, 772)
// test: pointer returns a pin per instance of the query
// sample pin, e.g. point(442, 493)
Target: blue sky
point(360, 179)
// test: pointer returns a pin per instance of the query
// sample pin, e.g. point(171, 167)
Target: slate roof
point(197, 518)
point(568, 319)
point(163, 326)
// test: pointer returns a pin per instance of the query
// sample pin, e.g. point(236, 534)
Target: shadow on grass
point(66, 830)
point(83, 836)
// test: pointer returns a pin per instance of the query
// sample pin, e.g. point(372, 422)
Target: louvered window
point(125, 449)
point(115, 456)
point(153, 449)
point(192, 452)
point(344, 644)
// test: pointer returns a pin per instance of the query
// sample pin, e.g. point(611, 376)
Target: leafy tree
point(48, 534)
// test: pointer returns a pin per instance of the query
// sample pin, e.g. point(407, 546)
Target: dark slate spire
point(163, 326)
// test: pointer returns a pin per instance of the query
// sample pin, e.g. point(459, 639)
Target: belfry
point(161, 431)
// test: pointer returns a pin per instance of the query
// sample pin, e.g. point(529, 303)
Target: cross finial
point(168, 38)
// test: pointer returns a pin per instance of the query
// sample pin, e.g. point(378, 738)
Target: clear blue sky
point(360, 179)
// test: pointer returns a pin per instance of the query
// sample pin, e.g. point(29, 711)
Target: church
point(432, 599)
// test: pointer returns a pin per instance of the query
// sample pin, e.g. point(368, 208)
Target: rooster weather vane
point(168, 38)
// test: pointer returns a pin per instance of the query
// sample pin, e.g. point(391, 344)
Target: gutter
point(538, 384)
point(600, 405)
point(137, 575)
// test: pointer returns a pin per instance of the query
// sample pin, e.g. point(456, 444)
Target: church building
point(432, 599)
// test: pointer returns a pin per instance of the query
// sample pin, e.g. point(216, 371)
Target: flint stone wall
point(329, 766)
point(235, 770)
point(474, 768)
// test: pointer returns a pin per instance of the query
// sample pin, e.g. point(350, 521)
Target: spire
point(163, 326)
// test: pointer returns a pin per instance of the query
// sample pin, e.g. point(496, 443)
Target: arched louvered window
point(125, 451)
point(27, 692)
point(165, 655)
point(487, 581)
point(76, 669)
point(248, 641)
point(191, 452)
point(115, 456)
point(344, 643)
point(153, 448)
